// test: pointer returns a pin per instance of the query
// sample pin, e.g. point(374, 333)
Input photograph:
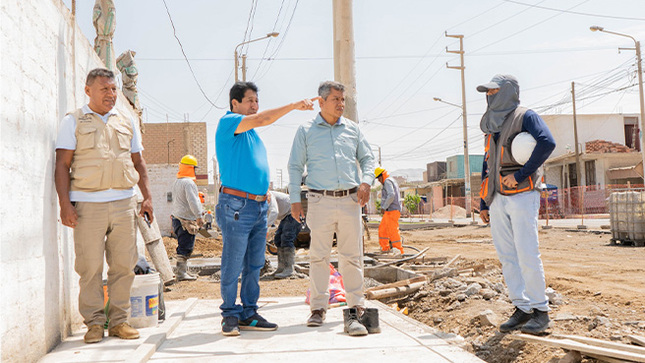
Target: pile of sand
point(444, 212)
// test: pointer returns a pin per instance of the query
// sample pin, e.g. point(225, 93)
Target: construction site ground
point(601, 287)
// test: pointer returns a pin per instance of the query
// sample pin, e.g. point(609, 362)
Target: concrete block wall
point(162, 178)
point(166, 143)
point(44, 59)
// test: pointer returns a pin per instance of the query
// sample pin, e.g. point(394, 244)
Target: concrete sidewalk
point(192, 333)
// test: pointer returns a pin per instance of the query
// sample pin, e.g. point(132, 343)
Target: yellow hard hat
point(189, 160)
point(378, 171)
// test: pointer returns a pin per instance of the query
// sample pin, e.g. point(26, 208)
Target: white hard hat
point(522, 147)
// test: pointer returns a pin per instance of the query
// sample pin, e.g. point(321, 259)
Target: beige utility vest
point(501, 162)
point(102, 159)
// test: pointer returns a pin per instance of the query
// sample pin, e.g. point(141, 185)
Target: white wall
point(44, 59)
point(162, 177)
point(608, 127)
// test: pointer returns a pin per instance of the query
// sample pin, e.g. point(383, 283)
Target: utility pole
point(243, 67)
point(581, 184)
point(279, 174)
point(344, 57)
point(467, 192)
point(575, 136)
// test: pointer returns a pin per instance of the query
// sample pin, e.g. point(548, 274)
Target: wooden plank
point(601, 343)
point(580, 347)
point(636, 339)
point(400, 283)
point(394, 291)
point(452, 261)
point(400, 260)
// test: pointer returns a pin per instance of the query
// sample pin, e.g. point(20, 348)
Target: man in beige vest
point(98, 162)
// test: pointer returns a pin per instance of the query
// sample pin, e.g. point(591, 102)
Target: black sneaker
point(256, 322)
point(538, 324)
point(516, 321)
point(230, 326)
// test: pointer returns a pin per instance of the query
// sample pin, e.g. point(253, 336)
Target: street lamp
point(640, 84)
point(273, 34)
point(468, 191)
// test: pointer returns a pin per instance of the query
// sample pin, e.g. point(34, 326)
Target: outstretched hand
point(306, 104)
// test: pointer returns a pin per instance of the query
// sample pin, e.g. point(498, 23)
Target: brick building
point(166, 143)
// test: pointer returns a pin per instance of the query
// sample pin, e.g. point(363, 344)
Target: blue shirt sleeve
point(296, 165)
point(534, 125)
point(482, 204)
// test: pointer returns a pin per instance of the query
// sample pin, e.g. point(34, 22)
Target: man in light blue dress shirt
point(329, 146)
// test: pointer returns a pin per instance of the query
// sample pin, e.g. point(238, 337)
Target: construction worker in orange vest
point(388, 231)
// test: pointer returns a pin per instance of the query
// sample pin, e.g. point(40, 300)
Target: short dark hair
point(98, 72)
point(238, 90)
point(325, 88)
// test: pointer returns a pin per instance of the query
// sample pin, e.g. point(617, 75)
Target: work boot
point(538, 323)
point(123, 331)
point(281, 261)
point(289, 257)
point(353, 325)
point(182, 269)
point(94, 334)
point(516, 321)
point(370, 320)
point(317, 317)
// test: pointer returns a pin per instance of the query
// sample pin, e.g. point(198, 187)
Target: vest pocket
point(86, 138)
point(525, 186)
point(87, 177)
point(125, 176)
point(124, 137)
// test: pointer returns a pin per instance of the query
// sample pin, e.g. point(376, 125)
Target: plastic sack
point(336, 288)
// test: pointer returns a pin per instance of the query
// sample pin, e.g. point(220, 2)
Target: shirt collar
point(86, 109)
point(320, 120)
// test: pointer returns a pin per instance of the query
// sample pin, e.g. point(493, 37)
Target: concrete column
point(344, 57)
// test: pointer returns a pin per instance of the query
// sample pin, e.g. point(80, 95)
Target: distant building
point(610, 154)
point(455, 165)
point(436, 171)
point(164, 145)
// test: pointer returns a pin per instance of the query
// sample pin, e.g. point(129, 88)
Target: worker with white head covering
point(510, 189)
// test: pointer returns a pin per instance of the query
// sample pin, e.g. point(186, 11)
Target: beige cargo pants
point(326, 215)
point(105, 229)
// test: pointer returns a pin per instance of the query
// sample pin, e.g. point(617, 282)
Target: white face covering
point(500, 104)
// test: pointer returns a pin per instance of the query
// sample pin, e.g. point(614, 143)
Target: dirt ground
point(600, 288)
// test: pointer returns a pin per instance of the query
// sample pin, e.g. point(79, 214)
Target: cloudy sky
point(400, 65)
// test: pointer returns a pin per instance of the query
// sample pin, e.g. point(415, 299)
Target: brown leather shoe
point(317, 317)
point(124, 331)
point(94, 334)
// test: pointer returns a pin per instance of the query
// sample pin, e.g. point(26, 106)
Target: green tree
point(411, 202)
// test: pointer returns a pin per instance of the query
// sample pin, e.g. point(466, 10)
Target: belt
point(241, 194)
point(335, 193)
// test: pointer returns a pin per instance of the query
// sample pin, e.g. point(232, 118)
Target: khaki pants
point(105, 229)
point(326, 215)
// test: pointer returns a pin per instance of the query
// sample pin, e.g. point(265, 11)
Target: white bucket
point(144, 301)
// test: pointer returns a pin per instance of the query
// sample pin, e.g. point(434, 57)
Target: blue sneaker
point(256, 322)
point(230, 326)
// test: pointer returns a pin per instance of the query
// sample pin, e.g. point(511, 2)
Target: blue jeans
point(287, 232)
point(185, 240)
point(244, 239)
point(513, 222)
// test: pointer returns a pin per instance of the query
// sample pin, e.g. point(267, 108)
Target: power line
point(266, 48)
point(249, 23)
point(174, 31)
point(527, 28)
point(574, 12)
point(284, 36)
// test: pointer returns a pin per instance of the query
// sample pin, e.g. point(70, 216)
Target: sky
point(401, 62)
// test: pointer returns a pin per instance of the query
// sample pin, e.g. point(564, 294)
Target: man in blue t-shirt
point(241, 212)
